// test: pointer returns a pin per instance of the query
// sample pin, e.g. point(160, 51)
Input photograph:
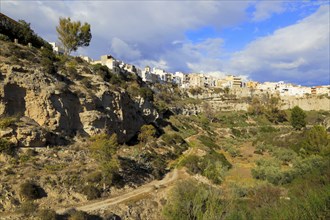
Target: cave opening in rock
point(14, 99)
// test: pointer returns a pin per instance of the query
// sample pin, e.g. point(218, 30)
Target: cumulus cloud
point(122, 49)
point(146, 28)
point(265, 9)
point(298, 53)
point(154, 33)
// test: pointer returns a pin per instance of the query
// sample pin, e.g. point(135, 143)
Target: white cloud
point(122, 49)
point(299, 52)
point(154, 33)
point(265, 9)
point(144, 29)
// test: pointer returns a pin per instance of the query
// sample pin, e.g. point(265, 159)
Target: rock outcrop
point(58, 104)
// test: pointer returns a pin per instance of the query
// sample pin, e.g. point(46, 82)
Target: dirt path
point(169, 179)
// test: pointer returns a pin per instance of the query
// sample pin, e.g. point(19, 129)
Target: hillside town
point(193, 80)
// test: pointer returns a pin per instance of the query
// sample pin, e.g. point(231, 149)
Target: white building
point(57, 48)
point(86, 58)
point(322, 90)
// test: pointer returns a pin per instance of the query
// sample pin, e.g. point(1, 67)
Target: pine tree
point(298, 118)
point(73, 34)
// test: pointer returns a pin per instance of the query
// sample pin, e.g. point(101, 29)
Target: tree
point(316, 140)
point(103, 148)
point(73, 34)
point(298, 118)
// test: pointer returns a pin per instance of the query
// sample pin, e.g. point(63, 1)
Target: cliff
point(55, 99)
point(240, 100)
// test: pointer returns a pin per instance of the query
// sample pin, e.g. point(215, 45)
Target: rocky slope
point(55, 99)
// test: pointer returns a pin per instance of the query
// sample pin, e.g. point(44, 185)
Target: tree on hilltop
point(72, 34)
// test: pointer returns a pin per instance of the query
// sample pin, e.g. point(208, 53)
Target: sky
point(258, 40)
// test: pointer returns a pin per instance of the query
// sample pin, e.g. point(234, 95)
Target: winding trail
point(171, 177)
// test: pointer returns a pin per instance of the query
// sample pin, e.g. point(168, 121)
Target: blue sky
point(259, 40)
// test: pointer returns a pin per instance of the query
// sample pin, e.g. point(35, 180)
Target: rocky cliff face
point(54, 106)
point(241, 102)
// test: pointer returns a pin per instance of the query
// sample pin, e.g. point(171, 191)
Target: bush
point(208, 142)
point(267, 129)
point(269, 170)
point(91, 192)
point(147, 133)
point(4, 37)
point(215, 171)
point(176, 141)
point(192, 200)
point(213, 166)
point(47, 214)
point(192, 163)
point(7, 147)
point(94, 177)
point(30, 191)
point(77, 215)
point(103, 148)
point(285, 155)
point(28, 208)
point(146, 93)
point(265, 194)
point(316, 139)
point(234, 152)
point(307, 165)
point(7, 121)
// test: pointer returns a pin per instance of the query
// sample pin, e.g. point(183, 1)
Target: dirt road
point(169, 179)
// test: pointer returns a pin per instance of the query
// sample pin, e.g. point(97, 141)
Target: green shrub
point(4, 37)
point(146, 93)
point(28, 208)
point(214, 156)
point(176, 141)
point(91, 192)
point(94, 177)
point(7, 121)
point(30, 191)
point(267, 129)
point(103, 148)
point(215, 171)
point(269, 170)
point(307, 165)
point(192, 163)
point(192, 200)
point(7, 147)
point(213, 166)
point(31, 153)
point(77, 215)
point(234, 152)
point(208, 142)
point(285, 155)
point(47, 214)
point(147, 133)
